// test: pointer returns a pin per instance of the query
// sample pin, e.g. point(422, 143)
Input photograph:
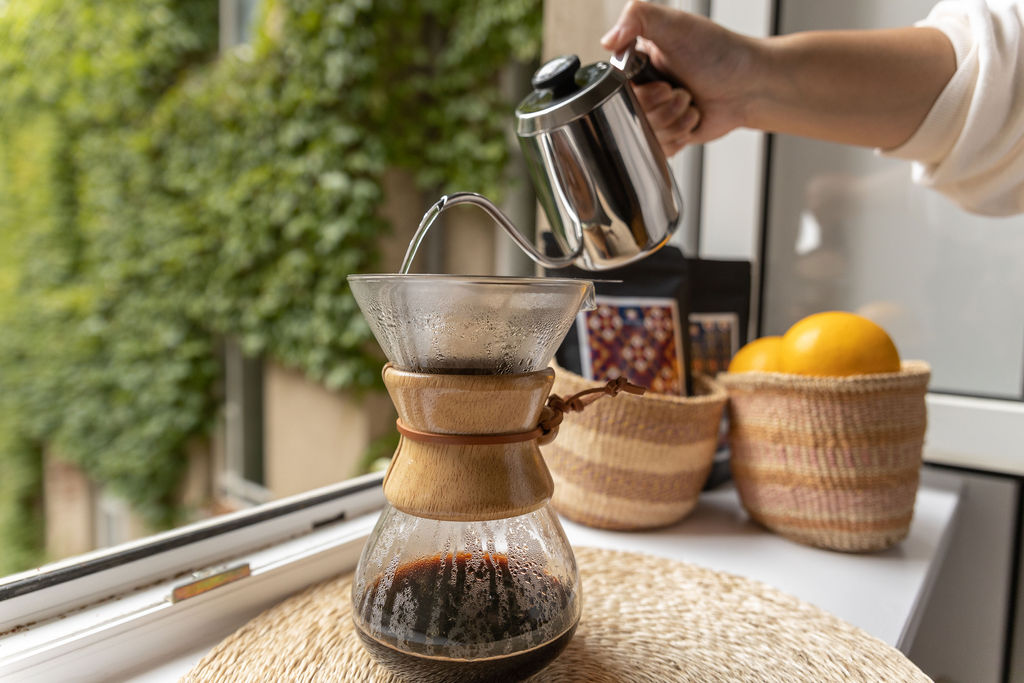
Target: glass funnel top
point(472, 325)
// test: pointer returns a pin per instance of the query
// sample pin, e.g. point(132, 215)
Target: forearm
point(870, 88)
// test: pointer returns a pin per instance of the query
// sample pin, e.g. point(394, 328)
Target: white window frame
point(46, 632)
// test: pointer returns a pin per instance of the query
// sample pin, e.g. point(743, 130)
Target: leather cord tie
point(550, 418)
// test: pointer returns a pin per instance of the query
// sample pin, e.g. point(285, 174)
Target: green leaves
point(100, 360)
point(154, 198)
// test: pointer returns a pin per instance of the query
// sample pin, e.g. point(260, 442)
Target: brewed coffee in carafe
point(493, 601)
point(468, 575)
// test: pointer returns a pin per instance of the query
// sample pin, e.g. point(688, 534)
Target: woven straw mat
point(644, 619)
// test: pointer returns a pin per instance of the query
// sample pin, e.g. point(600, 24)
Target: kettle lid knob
point(557, 75)
point(563, 91)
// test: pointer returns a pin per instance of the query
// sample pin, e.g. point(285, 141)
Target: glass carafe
point(468, 575)
point(493, 600)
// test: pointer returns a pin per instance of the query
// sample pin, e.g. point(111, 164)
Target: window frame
point(56, 589)
point(242, 477)
point(963, 431)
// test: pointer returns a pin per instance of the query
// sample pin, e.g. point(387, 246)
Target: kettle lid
point(564, 91)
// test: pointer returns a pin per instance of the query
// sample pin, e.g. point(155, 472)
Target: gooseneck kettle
point(596, 165)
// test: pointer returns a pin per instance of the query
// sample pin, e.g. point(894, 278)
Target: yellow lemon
point(761, 355)
point(837, 344)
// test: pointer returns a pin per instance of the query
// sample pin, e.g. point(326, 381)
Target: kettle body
point(599, 173)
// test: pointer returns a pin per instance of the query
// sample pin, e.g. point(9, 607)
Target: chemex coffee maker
point(468, 575)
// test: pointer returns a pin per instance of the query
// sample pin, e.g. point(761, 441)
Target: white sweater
point(970, 146)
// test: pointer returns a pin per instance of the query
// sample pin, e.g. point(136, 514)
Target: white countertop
point(881, 593)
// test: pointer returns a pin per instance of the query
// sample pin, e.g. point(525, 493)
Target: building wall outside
point(315, 437)
point(68, 508)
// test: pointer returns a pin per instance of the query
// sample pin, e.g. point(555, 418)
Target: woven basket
point(633, 462)
point(831, 462)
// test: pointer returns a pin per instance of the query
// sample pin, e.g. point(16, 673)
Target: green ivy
point(155, 197)
point(75, 77)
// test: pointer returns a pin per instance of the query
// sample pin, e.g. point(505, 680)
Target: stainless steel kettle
point(595, 163)
point(598, 170)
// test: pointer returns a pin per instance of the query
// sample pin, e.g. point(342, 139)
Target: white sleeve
point(970, 146)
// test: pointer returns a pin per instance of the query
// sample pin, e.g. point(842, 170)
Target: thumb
point(638, 18)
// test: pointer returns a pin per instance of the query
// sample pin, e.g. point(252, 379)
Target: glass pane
point(177, 222)
point(848, 230)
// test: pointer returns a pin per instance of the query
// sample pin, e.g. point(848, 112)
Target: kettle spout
point(450, 200)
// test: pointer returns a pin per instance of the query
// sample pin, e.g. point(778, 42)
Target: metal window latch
point(208, 579)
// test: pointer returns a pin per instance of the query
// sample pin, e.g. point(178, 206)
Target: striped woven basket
point(633, 462)
point(831, 462)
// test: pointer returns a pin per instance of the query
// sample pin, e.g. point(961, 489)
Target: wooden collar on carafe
point(551, 417)
point(469, 450)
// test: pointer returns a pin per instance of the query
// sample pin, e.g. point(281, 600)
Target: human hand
point(715, 66)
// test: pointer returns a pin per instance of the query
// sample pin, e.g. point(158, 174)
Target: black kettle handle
point(637, 67)
point(648, 74)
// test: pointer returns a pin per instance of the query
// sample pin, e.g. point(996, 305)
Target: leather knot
point(556, 408)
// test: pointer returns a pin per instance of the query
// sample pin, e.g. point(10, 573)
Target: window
point(139, 592)
point(838, 227)
point(238, 212)
point(243, 477)
point(237, 21)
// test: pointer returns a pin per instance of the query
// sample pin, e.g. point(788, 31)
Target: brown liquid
point(534, 610)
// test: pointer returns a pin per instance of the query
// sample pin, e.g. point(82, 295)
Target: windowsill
point(881, 593)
